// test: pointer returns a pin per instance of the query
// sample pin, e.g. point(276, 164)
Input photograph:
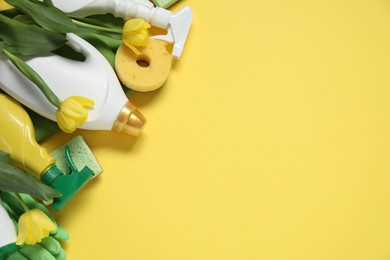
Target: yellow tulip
point(34, 225)
point(73, 112)
point(135, 33)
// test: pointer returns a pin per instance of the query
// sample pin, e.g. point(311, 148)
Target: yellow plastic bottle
point(17, 138)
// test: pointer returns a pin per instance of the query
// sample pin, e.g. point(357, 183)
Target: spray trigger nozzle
point(71, 183)
point(178, 27)
point(72, 167)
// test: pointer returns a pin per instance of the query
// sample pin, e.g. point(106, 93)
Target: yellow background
point(270, 140)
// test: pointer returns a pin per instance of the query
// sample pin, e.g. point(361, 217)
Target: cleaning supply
point(17, 139)
point(80, 154)
point(43, 127)
point(7, 234)
point(164, 3)
point(177, 24)
point(147, 71)
point(93, 78)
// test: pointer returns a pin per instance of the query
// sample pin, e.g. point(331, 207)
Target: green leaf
point(24, 19)
point(27, 39)
point(4, 157)
point(12, 12)
point(14, 180)
point(32, 75)
point(69, 53)
point(46, 15)
point(107, 52)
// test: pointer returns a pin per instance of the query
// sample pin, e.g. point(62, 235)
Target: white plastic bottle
point(7, 232)
point(178, 24)
point(93, 78)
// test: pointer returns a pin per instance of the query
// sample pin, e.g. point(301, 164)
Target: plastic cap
point(51, 175)
point(129, 121)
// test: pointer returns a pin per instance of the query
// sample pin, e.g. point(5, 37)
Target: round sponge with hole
point(147, 71)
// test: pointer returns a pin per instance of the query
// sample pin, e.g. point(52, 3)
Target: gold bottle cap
point(129, 120)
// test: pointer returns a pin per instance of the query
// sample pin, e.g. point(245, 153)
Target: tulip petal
point(85, 102)
point(34, 225)
point(22, 232)
point(134, 49)
point(72, 108)
point(135, 39)
point(66, 124)
point(133, 24)
point(146, 26)
point(135, 33)
point(73, 112)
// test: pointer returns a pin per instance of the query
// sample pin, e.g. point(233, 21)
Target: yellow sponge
point(147, 71)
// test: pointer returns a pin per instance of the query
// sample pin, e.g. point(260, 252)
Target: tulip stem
point(25, 208)
point(96, 27)
point(34, 77)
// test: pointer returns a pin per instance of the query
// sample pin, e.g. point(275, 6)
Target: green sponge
point(80, 154)
point(164, 3)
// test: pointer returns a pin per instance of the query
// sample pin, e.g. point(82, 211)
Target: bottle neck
point(50, 175)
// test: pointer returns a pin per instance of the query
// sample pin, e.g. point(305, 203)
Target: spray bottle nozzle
point(178, 27)
point(68, 184)
point(178, 24)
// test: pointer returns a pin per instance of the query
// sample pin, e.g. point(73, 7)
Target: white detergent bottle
point(93, 78)
point(7, 233)
point(177, 24)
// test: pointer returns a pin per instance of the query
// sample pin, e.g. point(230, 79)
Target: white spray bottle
point(177, 24)
point(93, 78)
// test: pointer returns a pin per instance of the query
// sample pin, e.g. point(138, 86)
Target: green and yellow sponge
point(80, 154)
